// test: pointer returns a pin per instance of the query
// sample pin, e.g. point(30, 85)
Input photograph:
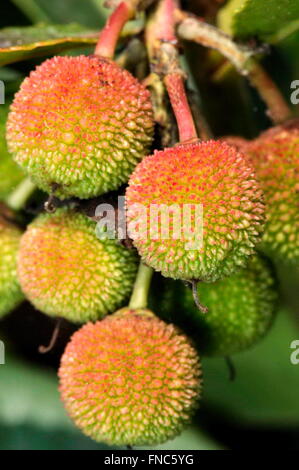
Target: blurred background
point(260, 409)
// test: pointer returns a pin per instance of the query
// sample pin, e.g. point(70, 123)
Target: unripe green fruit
point(66, 271)
point(79, 125)
point(241, 309)
point(130, 379)
point(275, 156)
point(10, 173)
point(211, 175)
point(10, 292)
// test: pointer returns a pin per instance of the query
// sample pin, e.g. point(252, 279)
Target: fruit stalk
point(20, 195)
point(162, 117)
point(141, 287)
point(193, 29)
point(278, 110)
point(179, 102)
point(109, 35)
point(162, 47)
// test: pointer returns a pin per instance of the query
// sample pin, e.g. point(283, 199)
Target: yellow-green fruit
point(130, 379)
point(10, 173)
point(10, 292)
point(275, 156)
point(66, 271)
point(79, 125)
point(241, 309)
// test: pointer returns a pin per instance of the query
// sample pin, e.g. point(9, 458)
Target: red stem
point(176, 90)
point(174, 81)
point(165, 20)
point(109, 35)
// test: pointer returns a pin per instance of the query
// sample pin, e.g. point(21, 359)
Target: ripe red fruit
point(79, 125)
point(211, 174)
point(130, 379)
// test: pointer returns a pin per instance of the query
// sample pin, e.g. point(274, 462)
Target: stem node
point(109, 35)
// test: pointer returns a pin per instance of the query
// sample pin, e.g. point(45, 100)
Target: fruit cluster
point(82, 126)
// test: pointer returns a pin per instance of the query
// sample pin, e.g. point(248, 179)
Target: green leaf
point(269, 20)
point(22, 43)
point(28, 395)
point(191, 439)
point(265, 391)
point(26, 42)
point(31, 413)
point(91, 13)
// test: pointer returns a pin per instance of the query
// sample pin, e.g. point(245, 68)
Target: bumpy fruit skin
point(79, 125)
point(66, 271)
point(10, 292)
point(211, 174)
point(11, 174)
point(241, 309)
point(275, 156)
point(235, 141)
point(130, 379)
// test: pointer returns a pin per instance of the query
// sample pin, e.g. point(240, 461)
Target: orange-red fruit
point(79, 125)
point(275, 156)
point(130, 379)
point(209, 175)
